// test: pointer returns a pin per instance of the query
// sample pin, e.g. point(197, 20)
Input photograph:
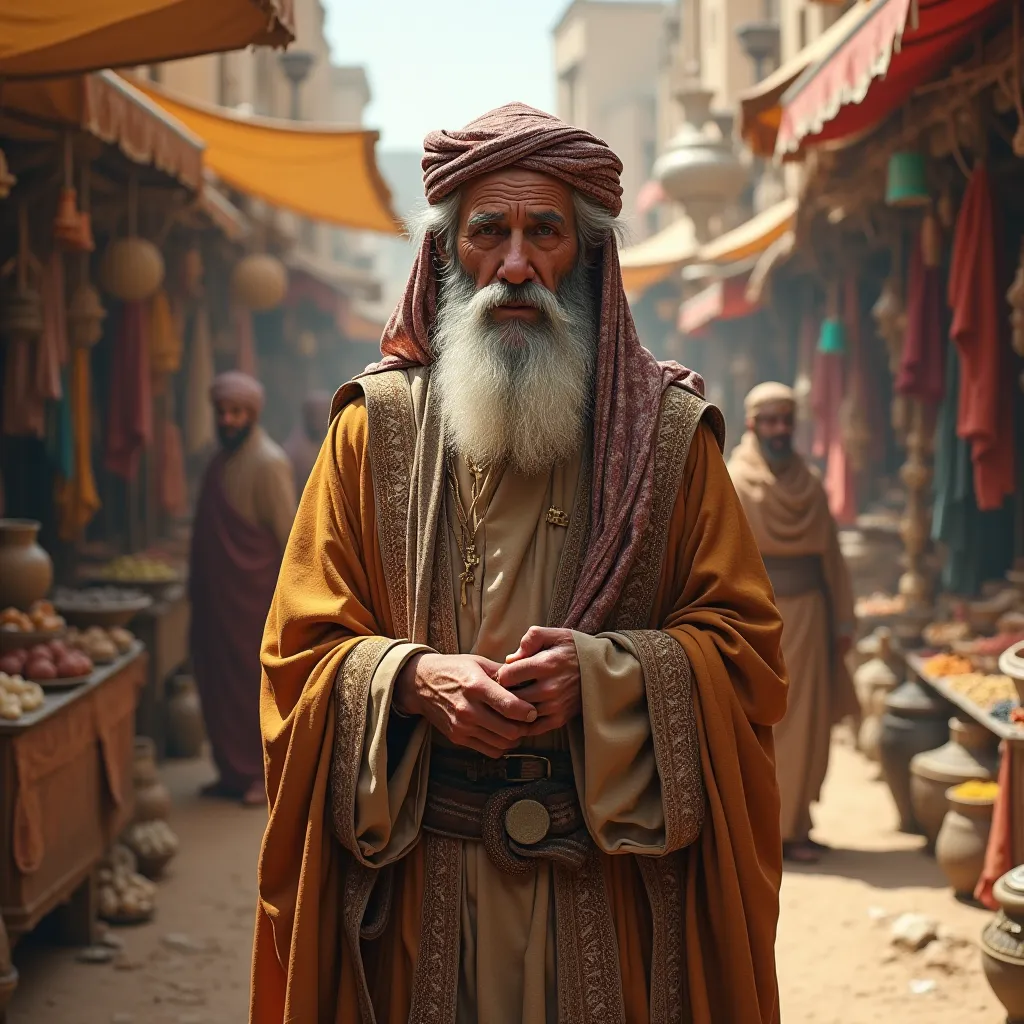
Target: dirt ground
point(836, 964)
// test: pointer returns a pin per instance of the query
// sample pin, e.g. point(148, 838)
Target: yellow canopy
point(109, 109)
point(752, 237)
point(658, 257)
point(59, 37)
point(760, 109)
point(324, 173)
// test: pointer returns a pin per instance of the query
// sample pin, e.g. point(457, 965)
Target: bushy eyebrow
point(487, 217)
point(547, 217)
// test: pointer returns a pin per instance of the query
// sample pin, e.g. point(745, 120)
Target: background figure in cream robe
point(788, 510)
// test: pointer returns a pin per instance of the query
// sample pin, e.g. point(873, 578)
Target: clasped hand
point(488, 707)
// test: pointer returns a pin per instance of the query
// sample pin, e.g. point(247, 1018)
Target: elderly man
point(242, 521)
point(788, 510)
point(522, 664)
point(303, 444)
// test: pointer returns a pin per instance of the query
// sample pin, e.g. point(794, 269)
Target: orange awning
point(109, 109)
point(720, 300)
point(760, 112)
point(657, 258)
point(59, 37)
point(902, 44)
point(325, 173)
point(752, 237)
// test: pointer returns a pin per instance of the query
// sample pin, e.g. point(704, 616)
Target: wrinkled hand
point(545, 672)
point(460, 696)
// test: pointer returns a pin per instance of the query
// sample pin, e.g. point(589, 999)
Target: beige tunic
point(507, 923)
point(258, 482)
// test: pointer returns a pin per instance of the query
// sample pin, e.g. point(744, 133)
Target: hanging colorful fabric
point(77, 498)
point(832, 340)
point(164, 339)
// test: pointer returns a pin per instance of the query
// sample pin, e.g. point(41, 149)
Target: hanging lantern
point(259, 282)
point(85, 316)
point(907, 180)
point(132, 269)
point(7, 180)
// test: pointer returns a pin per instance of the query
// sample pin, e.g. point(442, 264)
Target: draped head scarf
point(629, 381)
point(235, 386)
point(769, 393)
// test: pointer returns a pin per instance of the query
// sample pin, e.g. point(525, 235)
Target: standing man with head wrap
point(243, 517)
point(522, 665)
point(788, 510)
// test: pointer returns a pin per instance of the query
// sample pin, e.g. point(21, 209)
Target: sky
point(440, 63)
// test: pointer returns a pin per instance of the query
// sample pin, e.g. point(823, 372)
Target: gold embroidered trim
point(668, 680)
point(681, 412)
point(351, 699)
point(665, 896)
point(392, 444)
point(435, 987)
point(589, 975)
point(575, 546)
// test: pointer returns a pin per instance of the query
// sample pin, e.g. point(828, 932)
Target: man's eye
point(545, 229)
point(487, 229)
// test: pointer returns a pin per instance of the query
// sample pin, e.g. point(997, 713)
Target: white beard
point(515, 391)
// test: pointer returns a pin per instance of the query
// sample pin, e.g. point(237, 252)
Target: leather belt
point(522, 807)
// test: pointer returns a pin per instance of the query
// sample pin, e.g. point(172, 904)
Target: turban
point(235, 386)
point(629, 381)
point(768, 393)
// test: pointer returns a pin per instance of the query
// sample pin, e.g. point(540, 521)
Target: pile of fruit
point(18, 696)
point(96, 598)
point(46, 662)
point(153, 843)
point(40, 618)
point(987, 691)
point(101, 645)
point(138, 568)
point(941, 665)
point(880, 606)
point(125, 897)
point(942, 634)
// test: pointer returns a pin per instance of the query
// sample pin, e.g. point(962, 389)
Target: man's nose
point(516, 267)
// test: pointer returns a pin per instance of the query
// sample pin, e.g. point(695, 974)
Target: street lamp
point(296, 65)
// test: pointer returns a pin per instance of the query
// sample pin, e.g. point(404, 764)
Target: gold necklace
point(469, 525)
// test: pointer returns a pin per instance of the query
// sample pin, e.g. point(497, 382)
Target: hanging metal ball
point(259, 282)
point(132, 269)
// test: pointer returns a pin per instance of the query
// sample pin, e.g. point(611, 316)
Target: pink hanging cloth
point(130, 423)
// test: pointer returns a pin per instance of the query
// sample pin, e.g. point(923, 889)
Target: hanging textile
point(52, 353)
point(922, 364)
point(24, 416)
point(164, 337)
point(245, 341)
point(77, 499)
point(130, 419)
point(980, 331)
point(172, 485)
point(979, 545)
point(199, 429)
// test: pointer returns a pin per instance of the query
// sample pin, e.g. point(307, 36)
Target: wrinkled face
point(234, 421)
point(517, 227)
point(774, 426)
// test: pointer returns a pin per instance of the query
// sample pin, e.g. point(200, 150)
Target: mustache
point(501, 293)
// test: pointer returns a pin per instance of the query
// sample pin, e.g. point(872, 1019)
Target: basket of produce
point(103, 646)
point(989, 692)
point(943, 634)
point(881, 606)
point(124, 896)
point(18, 697)
point(153, 575)
point(939, 666)
point(53, 665)
point(100, 606)
point(154, 846)
point(39, 624)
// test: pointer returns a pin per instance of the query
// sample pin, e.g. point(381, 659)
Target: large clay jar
point(969, 754)
point(185, 730)
point(8, 972)
point(873, 681)
point(1002, 946)
point(963, 839)
point(915, 720)
point(152, 798)
point(26, 571)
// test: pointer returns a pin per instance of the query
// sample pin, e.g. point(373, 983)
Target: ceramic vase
point(1002, 946)
point(915, 720)
point(185, 729)
point(962, 841)
point(152, 798)
point(26, 571)
point(969, 754)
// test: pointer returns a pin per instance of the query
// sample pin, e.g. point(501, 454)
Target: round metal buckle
point(527, 822)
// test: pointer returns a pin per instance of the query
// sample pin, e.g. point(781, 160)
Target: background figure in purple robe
point(243, 518)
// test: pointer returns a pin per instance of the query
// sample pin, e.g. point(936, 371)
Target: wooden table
point(66, 779)
point(163, 628)
point(1011, 735)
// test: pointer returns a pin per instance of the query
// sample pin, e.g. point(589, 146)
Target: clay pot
point(873, 681)
point(969, 754)
point(914, 721)
point(185, 729)
point(8, 972)
point(132, 269)
point(962, 841)
point(152, 798)
point(259, 282)
point(26, 572)
point(1002, 946)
